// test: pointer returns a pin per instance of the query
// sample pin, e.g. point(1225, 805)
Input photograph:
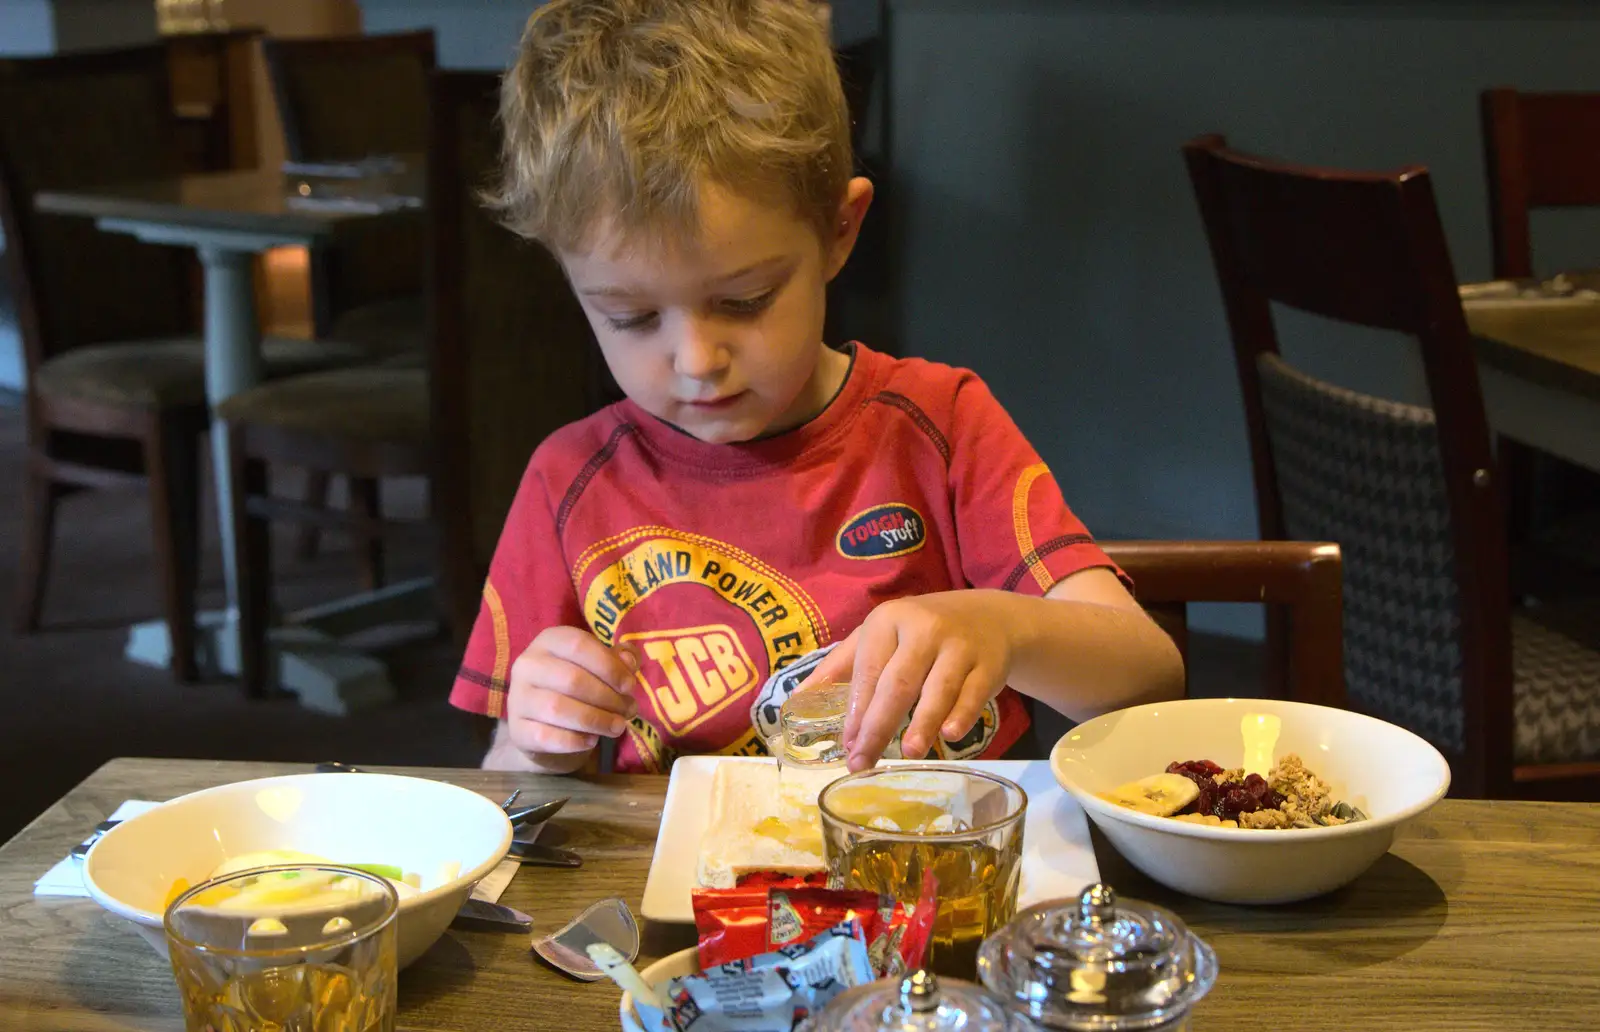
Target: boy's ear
point(847, 228)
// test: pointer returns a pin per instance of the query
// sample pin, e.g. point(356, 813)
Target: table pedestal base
point(307, 651)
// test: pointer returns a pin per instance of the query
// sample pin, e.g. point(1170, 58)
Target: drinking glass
point(883, 828)
point(811, 727)
point(300, 948)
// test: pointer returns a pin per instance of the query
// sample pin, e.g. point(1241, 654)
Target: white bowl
point(410, 823)
point(674, 965)
point(1385, 770)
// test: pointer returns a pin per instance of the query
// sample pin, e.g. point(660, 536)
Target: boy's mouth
point(714, 404)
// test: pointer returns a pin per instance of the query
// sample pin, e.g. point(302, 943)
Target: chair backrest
point(1368, 249)
point(1540, 151)
point(348, 97)
point(1305, 577)
point(513, 355)
point(77, 121)
point(344, 98)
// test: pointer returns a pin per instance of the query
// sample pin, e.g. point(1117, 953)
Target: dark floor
point(69, 701)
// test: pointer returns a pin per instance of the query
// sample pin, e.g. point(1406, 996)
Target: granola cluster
point(1306, 801)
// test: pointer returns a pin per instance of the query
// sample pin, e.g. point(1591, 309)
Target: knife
point(531, 853)
point(532, 816)
point(498, 915)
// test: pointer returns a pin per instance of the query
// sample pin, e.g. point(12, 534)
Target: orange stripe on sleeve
point(502, 651)
point(1019, 520)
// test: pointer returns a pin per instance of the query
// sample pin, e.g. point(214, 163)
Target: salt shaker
point(919, 1002)
point(1097, 963)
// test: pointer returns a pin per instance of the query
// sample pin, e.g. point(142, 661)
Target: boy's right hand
point(567, 690)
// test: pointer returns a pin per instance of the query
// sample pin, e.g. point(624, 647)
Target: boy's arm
point(1046, 611)
point(1093, 648)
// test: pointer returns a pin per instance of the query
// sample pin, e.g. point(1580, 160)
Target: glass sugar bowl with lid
point(918, 1002)
point(1098, 963)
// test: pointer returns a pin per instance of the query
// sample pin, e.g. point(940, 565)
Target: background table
point(228, 218)
point(1539, 362)
point(1483, 917)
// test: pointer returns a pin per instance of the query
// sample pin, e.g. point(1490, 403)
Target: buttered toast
point(755, 826)
point(759, 822)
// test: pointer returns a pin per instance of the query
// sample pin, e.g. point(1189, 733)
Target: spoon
point(608, 921)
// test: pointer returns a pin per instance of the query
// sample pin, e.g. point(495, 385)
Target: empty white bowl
point(410, 823)
point(1387, 771)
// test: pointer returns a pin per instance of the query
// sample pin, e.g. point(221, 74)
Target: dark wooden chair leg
point(253, 560)
point(39, 500)
point(309, 537)
point(172, 462)
point(367, 506)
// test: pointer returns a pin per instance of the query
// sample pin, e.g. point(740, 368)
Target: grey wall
point(1049, 237)
point(26, 27)
point(471, 33)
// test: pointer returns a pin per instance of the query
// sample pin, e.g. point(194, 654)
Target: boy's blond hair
point(618, 111)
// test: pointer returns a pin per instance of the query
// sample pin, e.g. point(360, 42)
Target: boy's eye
point(749, 305)
point(631, 322)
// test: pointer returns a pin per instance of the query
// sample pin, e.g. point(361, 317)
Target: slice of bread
point(758, 824)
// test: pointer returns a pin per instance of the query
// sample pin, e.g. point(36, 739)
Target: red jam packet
point(767, 913)
point(731, 924)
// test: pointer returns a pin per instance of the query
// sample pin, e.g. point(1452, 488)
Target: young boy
point(759, 495)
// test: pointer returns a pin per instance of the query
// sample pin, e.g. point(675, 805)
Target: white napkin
point(66, 877)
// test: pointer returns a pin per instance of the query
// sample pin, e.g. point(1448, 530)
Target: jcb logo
point(693, 674)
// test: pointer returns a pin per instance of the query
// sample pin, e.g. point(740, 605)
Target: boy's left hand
point(947, 653)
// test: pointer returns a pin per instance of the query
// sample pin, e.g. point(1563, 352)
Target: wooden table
point(228, 218)
point(1485, 916)
point(1539, 362)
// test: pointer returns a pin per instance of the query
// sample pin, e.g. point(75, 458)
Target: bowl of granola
point(1249, 800)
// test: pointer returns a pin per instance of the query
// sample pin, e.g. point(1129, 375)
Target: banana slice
point(1160, 795)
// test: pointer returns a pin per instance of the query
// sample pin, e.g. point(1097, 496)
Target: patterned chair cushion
point(1556, 652)
point(171, 372)
point(1367, 473)
point(360, 403)
point(385, 329)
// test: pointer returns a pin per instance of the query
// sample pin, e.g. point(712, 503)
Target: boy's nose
point(700, 354)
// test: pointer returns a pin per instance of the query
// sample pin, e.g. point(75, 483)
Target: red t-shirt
point(725, 563)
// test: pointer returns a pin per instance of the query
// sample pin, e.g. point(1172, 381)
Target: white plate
point(1057, 858)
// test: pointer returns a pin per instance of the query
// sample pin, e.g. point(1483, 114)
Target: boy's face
point(720, 336)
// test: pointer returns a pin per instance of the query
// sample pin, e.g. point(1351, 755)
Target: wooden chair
point(116, 371)
point(1540, 152)
point(858, 298)
point(1303, 579)
point(512, 358)
point(213, 93)
point(340, 99)
point(1409, 494)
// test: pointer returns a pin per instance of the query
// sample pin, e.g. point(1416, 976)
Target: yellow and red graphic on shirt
point(693, 674)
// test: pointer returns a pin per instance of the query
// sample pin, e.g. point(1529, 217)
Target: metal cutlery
point(535, 855)
point(498, 915)
point(533, 816)
point(81, 850)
